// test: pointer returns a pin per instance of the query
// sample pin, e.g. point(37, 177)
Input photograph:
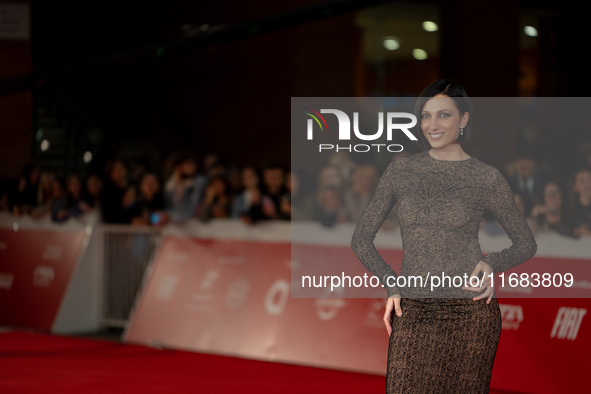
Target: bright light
point(44, 145)
point(15, 227)
point(419, 54)
point(391, 44)
point(530, 31)
point(430, 26)
point(87, 157)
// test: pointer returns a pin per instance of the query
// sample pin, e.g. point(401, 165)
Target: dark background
point(231, 96)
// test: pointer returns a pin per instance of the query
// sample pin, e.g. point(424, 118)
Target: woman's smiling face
point(441, 121)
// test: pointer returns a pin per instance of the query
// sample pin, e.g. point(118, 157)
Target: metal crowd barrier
point(127, 252)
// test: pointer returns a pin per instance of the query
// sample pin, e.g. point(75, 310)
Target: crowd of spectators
point(40, 193)
point(189, 188)
point(130, 193)
point(557, 203)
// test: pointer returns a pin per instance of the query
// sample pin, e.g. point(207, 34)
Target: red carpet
point(42, 363)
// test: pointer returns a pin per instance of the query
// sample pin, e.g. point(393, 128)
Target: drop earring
point(461, 131)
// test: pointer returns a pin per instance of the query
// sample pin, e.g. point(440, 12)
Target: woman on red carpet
point(442, 340)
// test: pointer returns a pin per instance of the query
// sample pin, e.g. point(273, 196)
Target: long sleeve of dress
point(368, 225)
point(502, 204)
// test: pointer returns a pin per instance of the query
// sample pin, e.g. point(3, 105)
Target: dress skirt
point(443, 345)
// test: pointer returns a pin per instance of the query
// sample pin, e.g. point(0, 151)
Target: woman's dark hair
point(457, 93)
point(541, 199)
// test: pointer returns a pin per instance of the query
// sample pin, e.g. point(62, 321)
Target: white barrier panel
point(222, 287)
point(233, 297)
point(45, 281)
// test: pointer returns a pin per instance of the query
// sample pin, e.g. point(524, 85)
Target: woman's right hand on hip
point(392, 304)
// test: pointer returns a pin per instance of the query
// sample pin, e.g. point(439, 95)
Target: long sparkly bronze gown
point(444, 342)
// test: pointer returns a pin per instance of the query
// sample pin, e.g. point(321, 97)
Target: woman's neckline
point(449, 161)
